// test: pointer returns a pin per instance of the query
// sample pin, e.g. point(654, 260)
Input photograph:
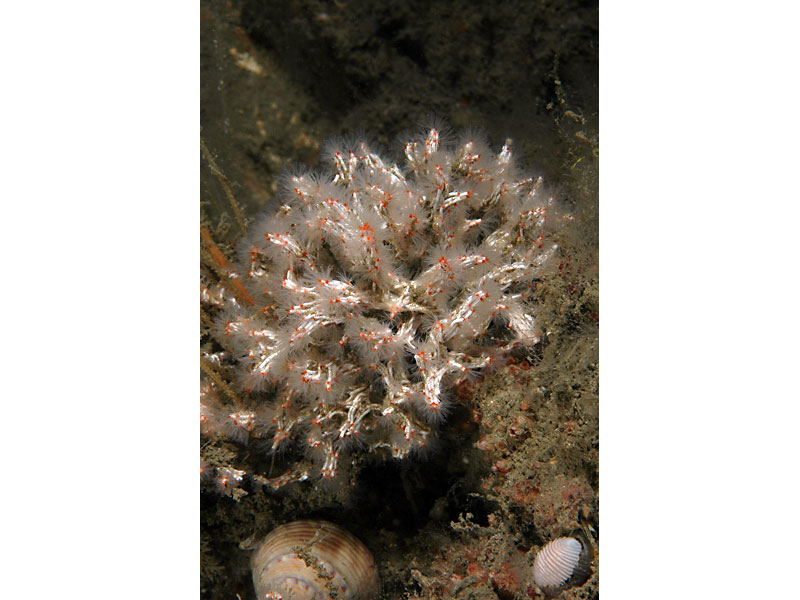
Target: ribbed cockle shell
point(562, 563)
point(313, 560)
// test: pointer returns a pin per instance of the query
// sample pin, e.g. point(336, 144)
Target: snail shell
point(313, 560)
point(562, 563)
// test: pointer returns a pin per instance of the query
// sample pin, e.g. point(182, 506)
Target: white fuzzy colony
point(375, 288)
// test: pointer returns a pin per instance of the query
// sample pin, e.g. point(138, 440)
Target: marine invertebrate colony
point(376, 287)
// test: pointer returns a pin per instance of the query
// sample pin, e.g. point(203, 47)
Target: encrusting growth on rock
point(372, 291)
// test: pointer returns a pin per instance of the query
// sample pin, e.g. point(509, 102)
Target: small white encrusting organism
point(374, 289)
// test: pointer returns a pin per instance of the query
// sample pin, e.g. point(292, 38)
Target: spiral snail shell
point(562, 563)
point(313, 560)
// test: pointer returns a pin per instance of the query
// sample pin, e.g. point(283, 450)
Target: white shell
point(560, 561)
point(343, 564)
